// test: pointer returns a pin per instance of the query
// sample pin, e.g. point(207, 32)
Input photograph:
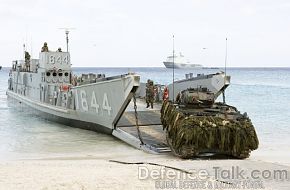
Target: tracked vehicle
point(196, 124)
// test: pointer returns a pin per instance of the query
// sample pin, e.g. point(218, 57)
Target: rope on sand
point(169, 167)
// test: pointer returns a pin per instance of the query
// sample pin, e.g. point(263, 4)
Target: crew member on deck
point(44, 47)
point(27, 61)
point(149, 93)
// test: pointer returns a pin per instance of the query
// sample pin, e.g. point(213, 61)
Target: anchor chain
point(136, 119)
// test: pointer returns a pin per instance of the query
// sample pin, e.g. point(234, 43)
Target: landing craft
point(89, 101)
point(96, 102)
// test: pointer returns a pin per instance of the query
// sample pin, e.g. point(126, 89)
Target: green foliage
point(189, 135)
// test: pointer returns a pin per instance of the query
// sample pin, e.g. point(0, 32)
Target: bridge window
point(54, 74)
point(48, 74)
point(66, 74)
point(60, 74)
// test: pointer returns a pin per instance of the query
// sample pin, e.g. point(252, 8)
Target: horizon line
point(171, 68)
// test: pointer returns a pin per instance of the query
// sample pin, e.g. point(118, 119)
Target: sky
point(134, 33)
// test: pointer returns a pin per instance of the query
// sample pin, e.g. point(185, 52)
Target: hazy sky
point(133, 33)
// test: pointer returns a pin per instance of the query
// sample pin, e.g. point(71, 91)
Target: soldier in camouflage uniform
point(44, 47)
point(149, 93)
point(27, 61)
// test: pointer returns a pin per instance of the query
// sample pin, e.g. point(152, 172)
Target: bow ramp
point(151, 137)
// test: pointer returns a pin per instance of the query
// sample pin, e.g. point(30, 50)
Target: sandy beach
point(70, 175)
point(91, 172)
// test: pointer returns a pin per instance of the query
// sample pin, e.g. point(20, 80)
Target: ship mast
point(66, 33)
point(173, 98)
point(226, 58)
point(24, 49)
point(67, 30)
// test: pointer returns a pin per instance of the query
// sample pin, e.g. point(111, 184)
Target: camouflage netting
point(187, 136)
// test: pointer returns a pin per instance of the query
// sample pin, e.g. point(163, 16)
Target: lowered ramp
point(150, 127)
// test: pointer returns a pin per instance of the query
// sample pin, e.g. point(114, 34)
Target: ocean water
point(264, 93)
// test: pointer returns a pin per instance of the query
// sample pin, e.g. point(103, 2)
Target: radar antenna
point(67, 30)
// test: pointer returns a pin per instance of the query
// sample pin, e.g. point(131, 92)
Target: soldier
point(59, 50)
point(16, 65)
point(27, 61)
point(149, 93)
point(178, 98)
point(156, 93)
point(75, 80)
point(44, 47)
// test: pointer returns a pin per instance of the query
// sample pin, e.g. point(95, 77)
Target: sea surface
point(264, 93)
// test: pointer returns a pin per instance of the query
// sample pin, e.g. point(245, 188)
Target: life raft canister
point(64, 88)
point(165, 94)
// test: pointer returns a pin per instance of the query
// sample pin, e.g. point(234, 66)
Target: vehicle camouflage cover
point(196, 124)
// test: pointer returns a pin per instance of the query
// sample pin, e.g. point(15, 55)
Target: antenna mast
point(24, 49)
point(66, 33)
point(226, 57)
point(173, 98)
point(31, 49)
point(67, 30)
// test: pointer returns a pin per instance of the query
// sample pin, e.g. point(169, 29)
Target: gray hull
point(215, 83)
point(55, 117)
point(96, 106)
point(169, 65)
